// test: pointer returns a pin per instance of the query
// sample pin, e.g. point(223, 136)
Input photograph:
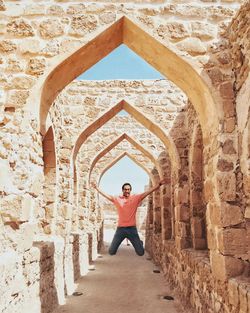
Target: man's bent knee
point(112, 252)
point(140, 253)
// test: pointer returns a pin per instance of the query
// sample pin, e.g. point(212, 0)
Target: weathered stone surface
point(51, 49)
point(204, 31)
point(2, 6)
point(232, 241)
point(230, 214)
point(22, 82)
point(193, 46)
point(226, 186)
point(82, 24)
point(20, 28)
point(55, 10)
point(107, 18)
point(34, 9)
point(7, 46)
point(173, 30)
point(50, 28)
point(30, 46)
point(229, 147)
point(225, 166)
point(36, 66)
point(17, 98)
point(225, 266)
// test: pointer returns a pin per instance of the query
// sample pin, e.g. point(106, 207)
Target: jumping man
point(127, 205)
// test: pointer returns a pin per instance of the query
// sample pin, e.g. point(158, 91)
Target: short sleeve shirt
point(127, 208)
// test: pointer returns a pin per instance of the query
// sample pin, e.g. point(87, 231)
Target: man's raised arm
point(110, 198)
point(148, 192)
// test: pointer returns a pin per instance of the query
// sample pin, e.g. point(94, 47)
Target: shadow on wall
point(48, 293)
point(76, 256)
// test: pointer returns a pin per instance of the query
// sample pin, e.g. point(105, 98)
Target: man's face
point(126, 191)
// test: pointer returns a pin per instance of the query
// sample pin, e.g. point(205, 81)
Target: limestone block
point(183, 195)
point(224, 165)
point(243, 290)
point(7, 46)
point(82, 24)
point(230, 214)
point(220, 12)
point(226, 185)
point(226, 90)
point(174, 30)
point(24, 240)
point(193, 46)
point(10, 207)
point(13, 65)
point(76, 9)
point(55, 10)
point(181, 214)
point(107, 18)
point(230, 124)
point(37, 182)
point(224, 267)
point(51, 48)
point(36, 66)
point(204, 31)
point(2, 6)
point(17, 98)
point(20, 28)
point(29, 46)
point(69, 44)
point(232, 241)
point(233, 292)
point(228, 147)
point(27, 208)
point(22, 81)
point(197, 227)
point(11, 277)
point(2, 27)
point(247, 212)
point(51, 28)
point(34, 9)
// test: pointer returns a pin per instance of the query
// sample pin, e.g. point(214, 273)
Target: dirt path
point(124, 283)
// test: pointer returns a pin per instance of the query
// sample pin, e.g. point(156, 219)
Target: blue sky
point(122, 63)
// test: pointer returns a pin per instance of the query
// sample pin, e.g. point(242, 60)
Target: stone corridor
point(124, 283)
point(59, 134)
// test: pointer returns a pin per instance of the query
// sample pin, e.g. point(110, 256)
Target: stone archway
point(132, 158)
point(115, 143)
point(153, 51)
point(123, 105)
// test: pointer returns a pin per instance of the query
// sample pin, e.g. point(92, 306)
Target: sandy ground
point(124, 283)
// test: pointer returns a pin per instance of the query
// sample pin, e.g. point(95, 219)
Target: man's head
point(126, 189)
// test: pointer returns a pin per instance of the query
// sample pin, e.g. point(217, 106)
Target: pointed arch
point(122, 155)
point(171, 65)
point(137, 145)
point(140, 117)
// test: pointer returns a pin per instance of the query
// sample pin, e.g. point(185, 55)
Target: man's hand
point(110, 198)
point(163, 181)
point(93, 184)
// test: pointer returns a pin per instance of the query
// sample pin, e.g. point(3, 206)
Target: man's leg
point(134, 238)
point(117, 240)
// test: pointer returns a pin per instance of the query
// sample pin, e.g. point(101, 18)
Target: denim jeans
point(129, 232)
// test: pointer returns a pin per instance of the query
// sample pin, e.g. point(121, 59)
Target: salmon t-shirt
point(127, 208)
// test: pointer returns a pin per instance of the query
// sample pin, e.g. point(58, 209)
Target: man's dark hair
point(126, 184)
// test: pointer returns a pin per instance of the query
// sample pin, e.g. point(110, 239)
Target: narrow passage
point(124, 283)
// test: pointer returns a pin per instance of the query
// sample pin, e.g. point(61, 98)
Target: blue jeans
point(129, 232)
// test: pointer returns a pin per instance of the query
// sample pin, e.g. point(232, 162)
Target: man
point(127, 205)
